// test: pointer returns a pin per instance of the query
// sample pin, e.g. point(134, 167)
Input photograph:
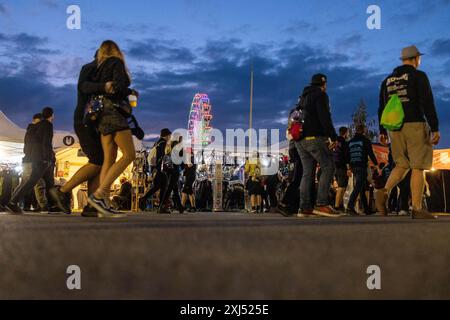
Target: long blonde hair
point(109, 49)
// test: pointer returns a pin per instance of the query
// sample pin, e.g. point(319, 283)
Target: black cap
point(319, 79)
point(165, 132)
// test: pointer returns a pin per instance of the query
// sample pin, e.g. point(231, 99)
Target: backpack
point(393, 114)
point(167, 163)
point(153, 155)
point(295, 122)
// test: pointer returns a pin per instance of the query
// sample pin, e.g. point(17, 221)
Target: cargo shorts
point(411, 146)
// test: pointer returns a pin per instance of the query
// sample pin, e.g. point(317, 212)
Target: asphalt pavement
point(223, 256)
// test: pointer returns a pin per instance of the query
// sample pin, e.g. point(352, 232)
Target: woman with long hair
point(112, 122)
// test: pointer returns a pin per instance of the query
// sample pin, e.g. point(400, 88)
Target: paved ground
point(223, 256)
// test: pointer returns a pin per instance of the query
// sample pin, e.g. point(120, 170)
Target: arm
point(371, 153)
point(87, 87)
point(323, 109)
point(121, 79)
point(381, 106)
point(426, 101)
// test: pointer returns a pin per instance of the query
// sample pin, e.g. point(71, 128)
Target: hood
point(310, 89)
point(403, 69)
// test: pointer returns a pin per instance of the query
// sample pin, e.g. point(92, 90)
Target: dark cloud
point(3, 9)
point(298, 27)
point(155, 50)
point(441, 47)
point(24, 43)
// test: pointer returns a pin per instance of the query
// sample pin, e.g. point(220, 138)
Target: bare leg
point(192, 200)
point(123, 140)
point(86, 173)
point(417, 185)
point(183, 199)
point(339, 197)
point(397, 175)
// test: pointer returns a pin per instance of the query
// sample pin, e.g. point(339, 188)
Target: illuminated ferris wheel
point(200, 116)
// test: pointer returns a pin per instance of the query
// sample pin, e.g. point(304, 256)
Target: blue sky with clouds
point(179, 47)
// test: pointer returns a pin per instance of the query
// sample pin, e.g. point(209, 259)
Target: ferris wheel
point(200, 116)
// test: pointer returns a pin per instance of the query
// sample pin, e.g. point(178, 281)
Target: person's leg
point(184, 198)
point(123, 140)
point(308, 165)
point(357, 189)
point(324, 157)
point(40, 193)
point(192, 200)
point(86, 173)
point(26, 186)
point(417, 187)
point(110, 156)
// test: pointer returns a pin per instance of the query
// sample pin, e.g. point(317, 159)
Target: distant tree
point(360, 117)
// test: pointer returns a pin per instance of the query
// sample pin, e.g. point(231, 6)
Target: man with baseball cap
point(318, 140)
point(412, 144)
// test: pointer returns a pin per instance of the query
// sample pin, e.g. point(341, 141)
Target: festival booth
point(70, 159)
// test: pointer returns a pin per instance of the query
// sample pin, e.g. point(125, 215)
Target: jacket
point(29, 143)
point(317, 117)
point(414, 90)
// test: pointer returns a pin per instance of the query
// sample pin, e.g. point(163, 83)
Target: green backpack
point(393, 114)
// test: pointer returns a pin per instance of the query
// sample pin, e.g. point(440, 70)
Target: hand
point(349, 173)
point(109, 87)
point(332, 145)
point(134, 92)
point(384, 139)
point(435, 138)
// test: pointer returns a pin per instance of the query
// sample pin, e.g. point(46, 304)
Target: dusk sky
point(177, 48)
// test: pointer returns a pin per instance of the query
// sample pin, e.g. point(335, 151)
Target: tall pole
point(251, 110)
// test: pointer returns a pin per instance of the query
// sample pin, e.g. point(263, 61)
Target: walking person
point(190, 175)
point(412, 144)
point(112, 123)
point(172, 172)
point(360, 150)
point(290, 202)
point(89, 139)
point(340, 155)
point(43, 161)
point(155, 161)
point(29, 141)
point(318, 141)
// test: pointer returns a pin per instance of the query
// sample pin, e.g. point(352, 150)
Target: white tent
point(12, 136)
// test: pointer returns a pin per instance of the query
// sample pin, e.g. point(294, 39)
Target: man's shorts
point(90, 143)
point(411, 146)
point(341, 177)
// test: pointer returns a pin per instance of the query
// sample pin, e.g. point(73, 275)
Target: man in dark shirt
point(318, 139)
point(360, 150)
point(340, 155)
point(412, 145)
point(43, 161)
point(160, 181)
point(29, 142)
point(89, 141)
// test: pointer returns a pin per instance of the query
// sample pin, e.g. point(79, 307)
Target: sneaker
point(305, 213)
point(283, 211)
point(164, 211)
point(403, 213)
point(13, 208)
point(326, 211)
point(100, 205)
point(89, 212)
point(351, 212)
point(423, 214)
point(60, 200)
point(54, 211)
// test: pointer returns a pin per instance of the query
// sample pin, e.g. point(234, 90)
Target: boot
point(380, 202)
point(422, 214)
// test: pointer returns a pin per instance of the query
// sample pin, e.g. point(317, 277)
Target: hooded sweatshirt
point(317, 116)
point(414, 90)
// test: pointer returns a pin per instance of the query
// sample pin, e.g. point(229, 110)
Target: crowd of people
point(322, 161)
